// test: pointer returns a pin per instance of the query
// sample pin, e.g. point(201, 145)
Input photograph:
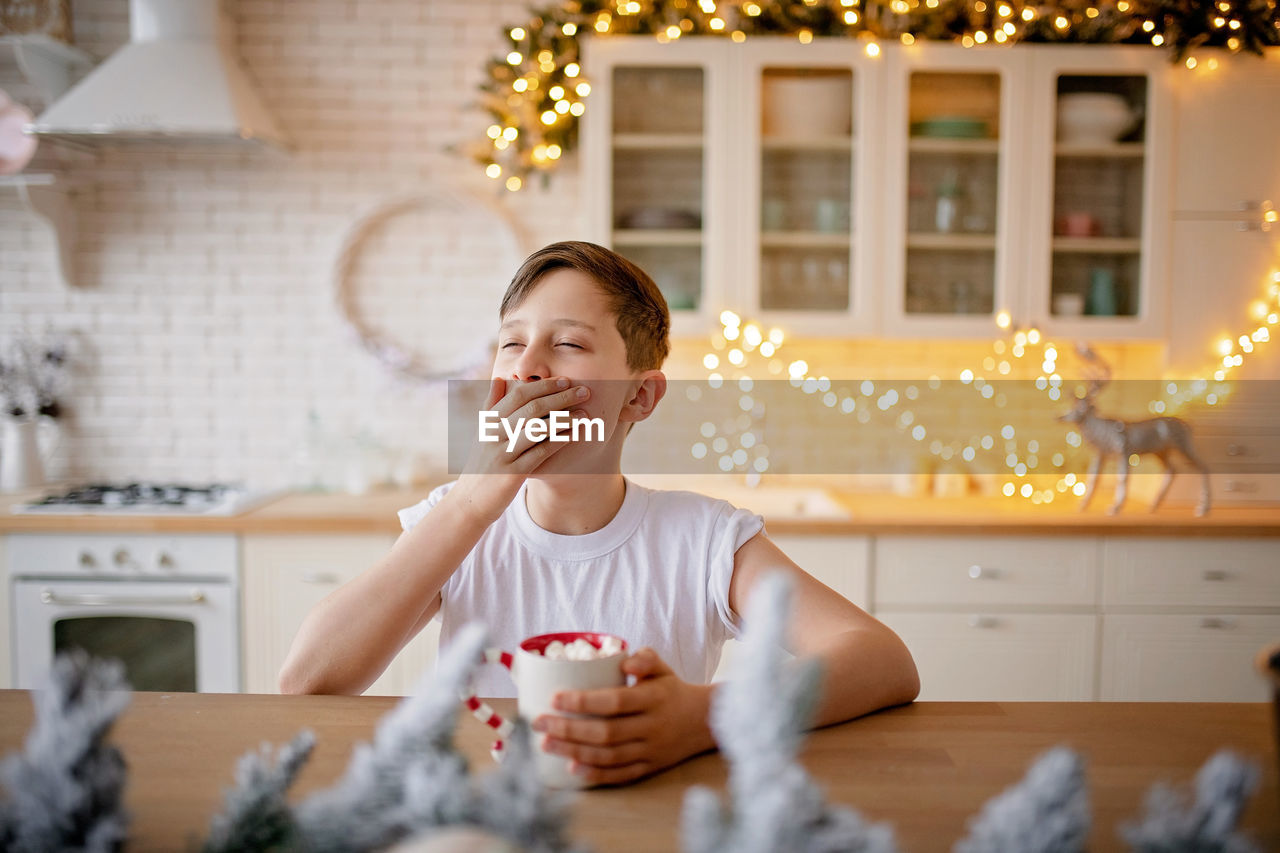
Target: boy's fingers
point(597, 756)
point(534, 454)
point(596, 731)
point(645, 663)
point(497, 390)
point(604, 701)
point(544, 405)
point(520, 393)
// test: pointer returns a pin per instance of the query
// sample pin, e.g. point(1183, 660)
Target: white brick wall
point(205, 306)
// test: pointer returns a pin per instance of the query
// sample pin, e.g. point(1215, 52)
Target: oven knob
point(87, 561)
point(164, 562)
point(122, 559)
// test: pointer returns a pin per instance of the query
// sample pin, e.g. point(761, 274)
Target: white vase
point(21, 465)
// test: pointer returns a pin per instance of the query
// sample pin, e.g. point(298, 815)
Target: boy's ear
point(651, 387)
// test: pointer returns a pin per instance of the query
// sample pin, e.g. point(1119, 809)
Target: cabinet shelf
point(1098, 245)
point(1119, 150)
point(817, 143)
point(656, 237)
point(658, 141)
point(803, 240)
point(952, 242)
point(934, 145)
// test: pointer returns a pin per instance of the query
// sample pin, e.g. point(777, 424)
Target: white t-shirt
point(656, 575)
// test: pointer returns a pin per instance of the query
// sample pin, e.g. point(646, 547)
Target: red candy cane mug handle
point(484, 713)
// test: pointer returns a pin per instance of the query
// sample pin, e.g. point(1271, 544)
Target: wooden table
point(925, 768)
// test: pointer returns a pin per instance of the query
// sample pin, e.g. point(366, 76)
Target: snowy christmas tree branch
point(65, 789)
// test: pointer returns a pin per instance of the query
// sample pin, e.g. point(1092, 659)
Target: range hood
point(177, 82)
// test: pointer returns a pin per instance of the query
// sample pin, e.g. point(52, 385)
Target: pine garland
point(534, 93)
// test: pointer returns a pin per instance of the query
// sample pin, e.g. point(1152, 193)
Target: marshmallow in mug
point(581, 649)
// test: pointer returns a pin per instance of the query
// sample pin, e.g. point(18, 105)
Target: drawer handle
point(1216, 574)
point(1234, 449)
point(1213, 623)
point(983, 622)
point(319, 577)
point(983, 573)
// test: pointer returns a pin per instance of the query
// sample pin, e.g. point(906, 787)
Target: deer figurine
point(1113, 437)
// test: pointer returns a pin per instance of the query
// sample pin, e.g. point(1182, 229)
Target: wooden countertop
point(925, 768)
point(870, 514)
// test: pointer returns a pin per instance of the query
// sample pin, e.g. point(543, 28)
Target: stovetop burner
point(144, 498)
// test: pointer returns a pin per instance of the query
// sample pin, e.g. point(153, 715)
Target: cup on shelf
point(1078, 223)
point(1068, 304)
point(831, 215)
point(1101, 301)
point(773, 214)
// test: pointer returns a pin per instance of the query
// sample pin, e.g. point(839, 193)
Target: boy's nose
point(530, 367)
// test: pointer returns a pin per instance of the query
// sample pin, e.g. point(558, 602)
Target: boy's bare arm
point(866, 666)
point(348, 639)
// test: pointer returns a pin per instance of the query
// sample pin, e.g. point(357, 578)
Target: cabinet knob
point(319, 577)
point(983, 572)
point(1216, 574)
point(983, 622)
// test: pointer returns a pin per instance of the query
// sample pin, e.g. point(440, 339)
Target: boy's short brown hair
point(642, 316)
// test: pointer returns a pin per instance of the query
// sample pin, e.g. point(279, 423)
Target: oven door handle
point(48, 596)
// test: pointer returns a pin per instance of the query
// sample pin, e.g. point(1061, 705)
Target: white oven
point(166, 606)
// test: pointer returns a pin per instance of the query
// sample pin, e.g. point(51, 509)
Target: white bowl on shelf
point(806, 106)
point(1093, 118)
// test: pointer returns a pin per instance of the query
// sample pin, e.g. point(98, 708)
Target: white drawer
point(1185, 658)
point(1197, 572)
point(973, 570)
point(1000, 657)
point(840, 562)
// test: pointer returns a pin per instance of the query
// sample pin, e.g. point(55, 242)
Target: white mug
point(538, 679)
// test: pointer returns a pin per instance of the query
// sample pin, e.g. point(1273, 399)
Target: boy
point(549, 536)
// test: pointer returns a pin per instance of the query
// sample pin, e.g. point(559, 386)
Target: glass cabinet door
point(1098, 196)
point(806, 184)
point(952, 192)
point(658, 181)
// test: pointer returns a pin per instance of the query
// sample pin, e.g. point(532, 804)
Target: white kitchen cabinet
point(1184, 618)
point(1186, 572)
point(1149, 657)
point(704, 166)
point(1121, 189)
point(285, 576)
point(951, 571)
point(934, 207)
point(654, 146)
point(993, 617)
point(991, 211)
point(1000, 656)
point(1228, 120)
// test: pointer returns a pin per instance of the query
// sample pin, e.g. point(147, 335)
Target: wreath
point(397, 357)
